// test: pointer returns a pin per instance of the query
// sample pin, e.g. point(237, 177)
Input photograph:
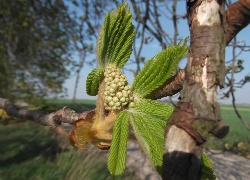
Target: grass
point(28, 151)
point(31, 151)
point(79, 105)
point(238, 132)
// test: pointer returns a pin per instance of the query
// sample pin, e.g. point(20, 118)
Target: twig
point(174, 86)
point(232, 87)
point(53, 120)
point(237, 16)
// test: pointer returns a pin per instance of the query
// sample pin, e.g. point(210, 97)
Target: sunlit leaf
point(207, 172)
point(116, 37)
point(93, 81)
point(158, 69)
point(153, 108)
point(149, 132)
point(118, 150)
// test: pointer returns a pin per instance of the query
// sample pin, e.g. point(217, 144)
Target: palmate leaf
point(154, 108)
point(148, 121)
point(158, 69)
point(207, 172)
point(118, 150)
point(149, 131)
point(116, 37)
point(93, 81)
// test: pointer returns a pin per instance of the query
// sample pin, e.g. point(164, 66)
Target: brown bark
point(53, 120)
point(174, 85)
point(205, 71)
point(238, 17)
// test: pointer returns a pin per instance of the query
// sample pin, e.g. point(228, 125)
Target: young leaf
point(93, 81)
point(207, 168)
point(158, 69)
point(149, 132)
point(118, 150)
point(116, 37)
point(154, 108)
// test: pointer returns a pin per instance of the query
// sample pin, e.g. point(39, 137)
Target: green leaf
point(207, 172)
point(149, 118)
point(93, 81)
point(149, 131)
point(154, 108)
point(118, 150)
point(158, 69)
point(116, 37)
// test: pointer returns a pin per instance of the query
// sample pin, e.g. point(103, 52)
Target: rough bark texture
point(198, 106)
point(174, 85)
point(53, 120)
point(238, 17)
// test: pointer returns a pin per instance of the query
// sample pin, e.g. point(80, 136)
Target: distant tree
point(34, 48)
point(197, 113)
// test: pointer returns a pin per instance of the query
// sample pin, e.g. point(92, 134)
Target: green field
point(31, 151)
point(238, 132)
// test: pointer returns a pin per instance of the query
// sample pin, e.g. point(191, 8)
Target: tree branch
point(53, 120)
point(173, 86)
point(237, 18)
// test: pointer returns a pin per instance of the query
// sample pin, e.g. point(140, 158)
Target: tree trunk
point(197, 113)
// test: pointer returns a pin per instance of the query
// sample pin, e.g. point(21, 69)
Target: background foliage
point(34, 48)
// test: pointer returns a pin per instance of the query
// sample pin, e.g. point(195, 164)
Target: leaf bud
point(111, 103)
point(111, 90)
point(114, 86)
point(115, 99)
point(131, 105)
point(108, 98)
point(119, 95)
point(123, 99)
point(113, 74)
point(117, 104)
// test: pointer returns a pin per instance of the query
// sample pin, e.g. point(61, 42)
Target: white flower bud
point(119, 95)
point(121, 83)
point(125, 94)
point(114, 108)
point(115, 99)
point(111, 90)
point(110, 79)
point(117, 104)
point(126, 88)
point(116, 81)
point(131, 105)
point(108, 98)
point(113, 74)
point(111, 103)
point(114, 86)
point(122, 99)
point(124, 104)
point(121, 87)
point(107, 108)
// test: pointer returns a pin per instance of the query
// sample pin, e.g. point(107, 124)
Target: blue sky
point(242, 95)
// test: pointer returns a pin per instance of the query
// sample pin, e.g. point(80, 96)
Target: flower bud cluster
point(117, 93)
